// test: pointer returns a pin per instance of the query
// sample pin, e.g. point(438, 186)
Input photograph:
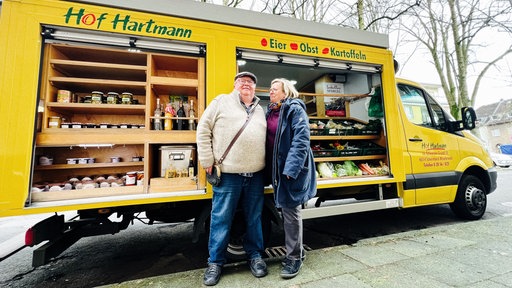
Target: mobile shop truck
point(100, 100)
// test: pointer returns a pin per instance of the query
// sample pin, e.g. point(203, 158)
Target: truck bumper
point(493, 179)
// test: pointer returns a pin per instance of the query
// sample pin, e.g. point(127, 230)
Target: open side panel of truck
point(116, 119)
point(347, 126)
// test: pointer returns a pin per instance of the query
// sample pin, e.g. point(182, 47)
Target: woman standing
point(290, 159)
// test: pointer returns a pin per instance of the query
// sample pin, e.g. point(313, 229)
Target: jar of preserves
point(96, 97)
point(87, 99)
point(63, 96)
point(126, 98)
point(54, 122)
point(140, 178)
point(131, 178)
point(112, 97)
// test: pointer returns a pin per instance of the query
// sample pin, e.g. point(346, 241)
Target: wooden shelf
point(173, 81)
point(87, 85)
point(85, 108)
point(98, 55)
point(85, 193)
point(71, 68)
point(88, 166)
point(335, 95)
point(330, 117)
point(173, 89)
point(58, 137)
point(353, 158)
point(349, 177)
point(346, 137)
point(170, 136)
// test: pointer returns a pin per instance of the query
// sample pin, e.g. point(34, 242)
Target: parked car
point(501, 160)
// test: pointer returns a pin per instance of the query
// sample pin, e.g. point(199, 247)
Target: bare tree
point(449, 30)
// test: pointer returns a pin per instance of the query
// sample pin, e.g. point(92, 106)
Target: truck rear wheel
point(471, 199)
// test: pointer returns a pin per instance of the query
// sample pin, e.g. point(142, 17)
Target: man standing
point(242, 172)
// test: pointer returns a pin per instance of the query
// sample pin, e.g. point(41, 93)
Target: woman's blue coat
point(293, 157)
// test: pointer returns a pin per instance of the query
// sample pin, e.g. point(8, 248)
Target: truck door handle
point(415, 139)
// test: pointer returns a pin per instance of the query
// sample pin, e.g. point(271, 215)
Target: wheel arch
point(481, 174)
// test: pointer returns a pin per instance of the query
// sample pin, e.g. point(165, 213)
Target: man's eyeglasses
point(243, 81)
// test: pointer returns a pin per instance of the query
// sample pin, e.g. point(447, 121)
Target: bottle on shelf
point(157, 121)
point(182, 123)
point(169, 113)
point(191, 114)
point(191, 169)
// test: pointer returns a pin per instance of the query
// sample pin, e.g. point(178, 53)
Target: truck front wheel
point(471, 199)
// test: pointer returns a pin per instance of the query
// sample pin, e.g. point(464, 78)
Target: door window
point(421, 108)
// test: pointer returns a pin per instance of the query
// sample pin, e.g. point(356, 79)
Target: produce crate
point(346, 131)
point(331, 131)
point(316, 132)
point(368, 131)
point(373, 149)
point(325, 153)
point(350, 152)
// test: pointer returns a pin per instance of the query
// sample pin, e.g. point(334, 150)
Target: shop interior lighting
point(166, 46)
point(363, 68)
point(259, 56)
point(67, 35)
point(133, 43)
point(298, 61)
point(85, 146)
point(332, 64)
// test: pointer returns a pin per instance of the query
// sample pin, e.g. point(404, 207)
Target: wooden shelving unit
point(147, 76)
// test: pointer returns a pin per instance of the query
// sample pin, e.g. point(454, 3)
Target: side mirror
point(468, 118)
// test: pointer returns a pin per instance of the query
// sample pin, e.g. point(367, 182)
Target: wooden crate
point(172, 184)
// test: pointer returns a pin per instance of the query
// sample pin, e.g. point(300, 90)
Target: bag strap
point(249, 116)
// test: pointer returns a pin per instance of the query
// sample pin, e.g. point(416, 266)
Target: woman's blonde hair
point(288, 88)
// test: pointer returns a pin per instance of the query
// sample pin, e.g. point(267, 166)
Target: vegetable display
point(349, 168)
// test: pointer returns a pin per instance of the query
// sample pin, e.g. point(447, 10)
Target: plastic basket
point(346, 131)
point(368, 132)
point(331, 131)
point(374, 151)
point(316, 132)
point(325, 153)
point(349, 152)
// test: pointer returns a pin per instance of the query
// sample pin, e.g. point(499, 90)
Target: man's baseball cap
point(247, 74)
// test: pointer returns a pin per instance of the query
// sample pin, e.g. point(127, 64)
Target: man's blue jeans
point(234, 187)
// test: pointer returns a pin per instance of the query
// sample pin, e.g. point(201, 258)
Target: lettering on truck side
point(124, 23)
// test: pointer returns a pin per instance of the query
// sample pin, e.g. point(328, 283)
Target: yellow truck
point(100, 100)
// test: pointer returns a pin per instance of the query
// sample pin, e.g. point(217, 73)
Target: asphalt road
point(143, 251)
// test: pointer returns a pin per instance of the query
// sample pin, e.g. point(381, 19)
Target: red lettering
point(88, 19)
